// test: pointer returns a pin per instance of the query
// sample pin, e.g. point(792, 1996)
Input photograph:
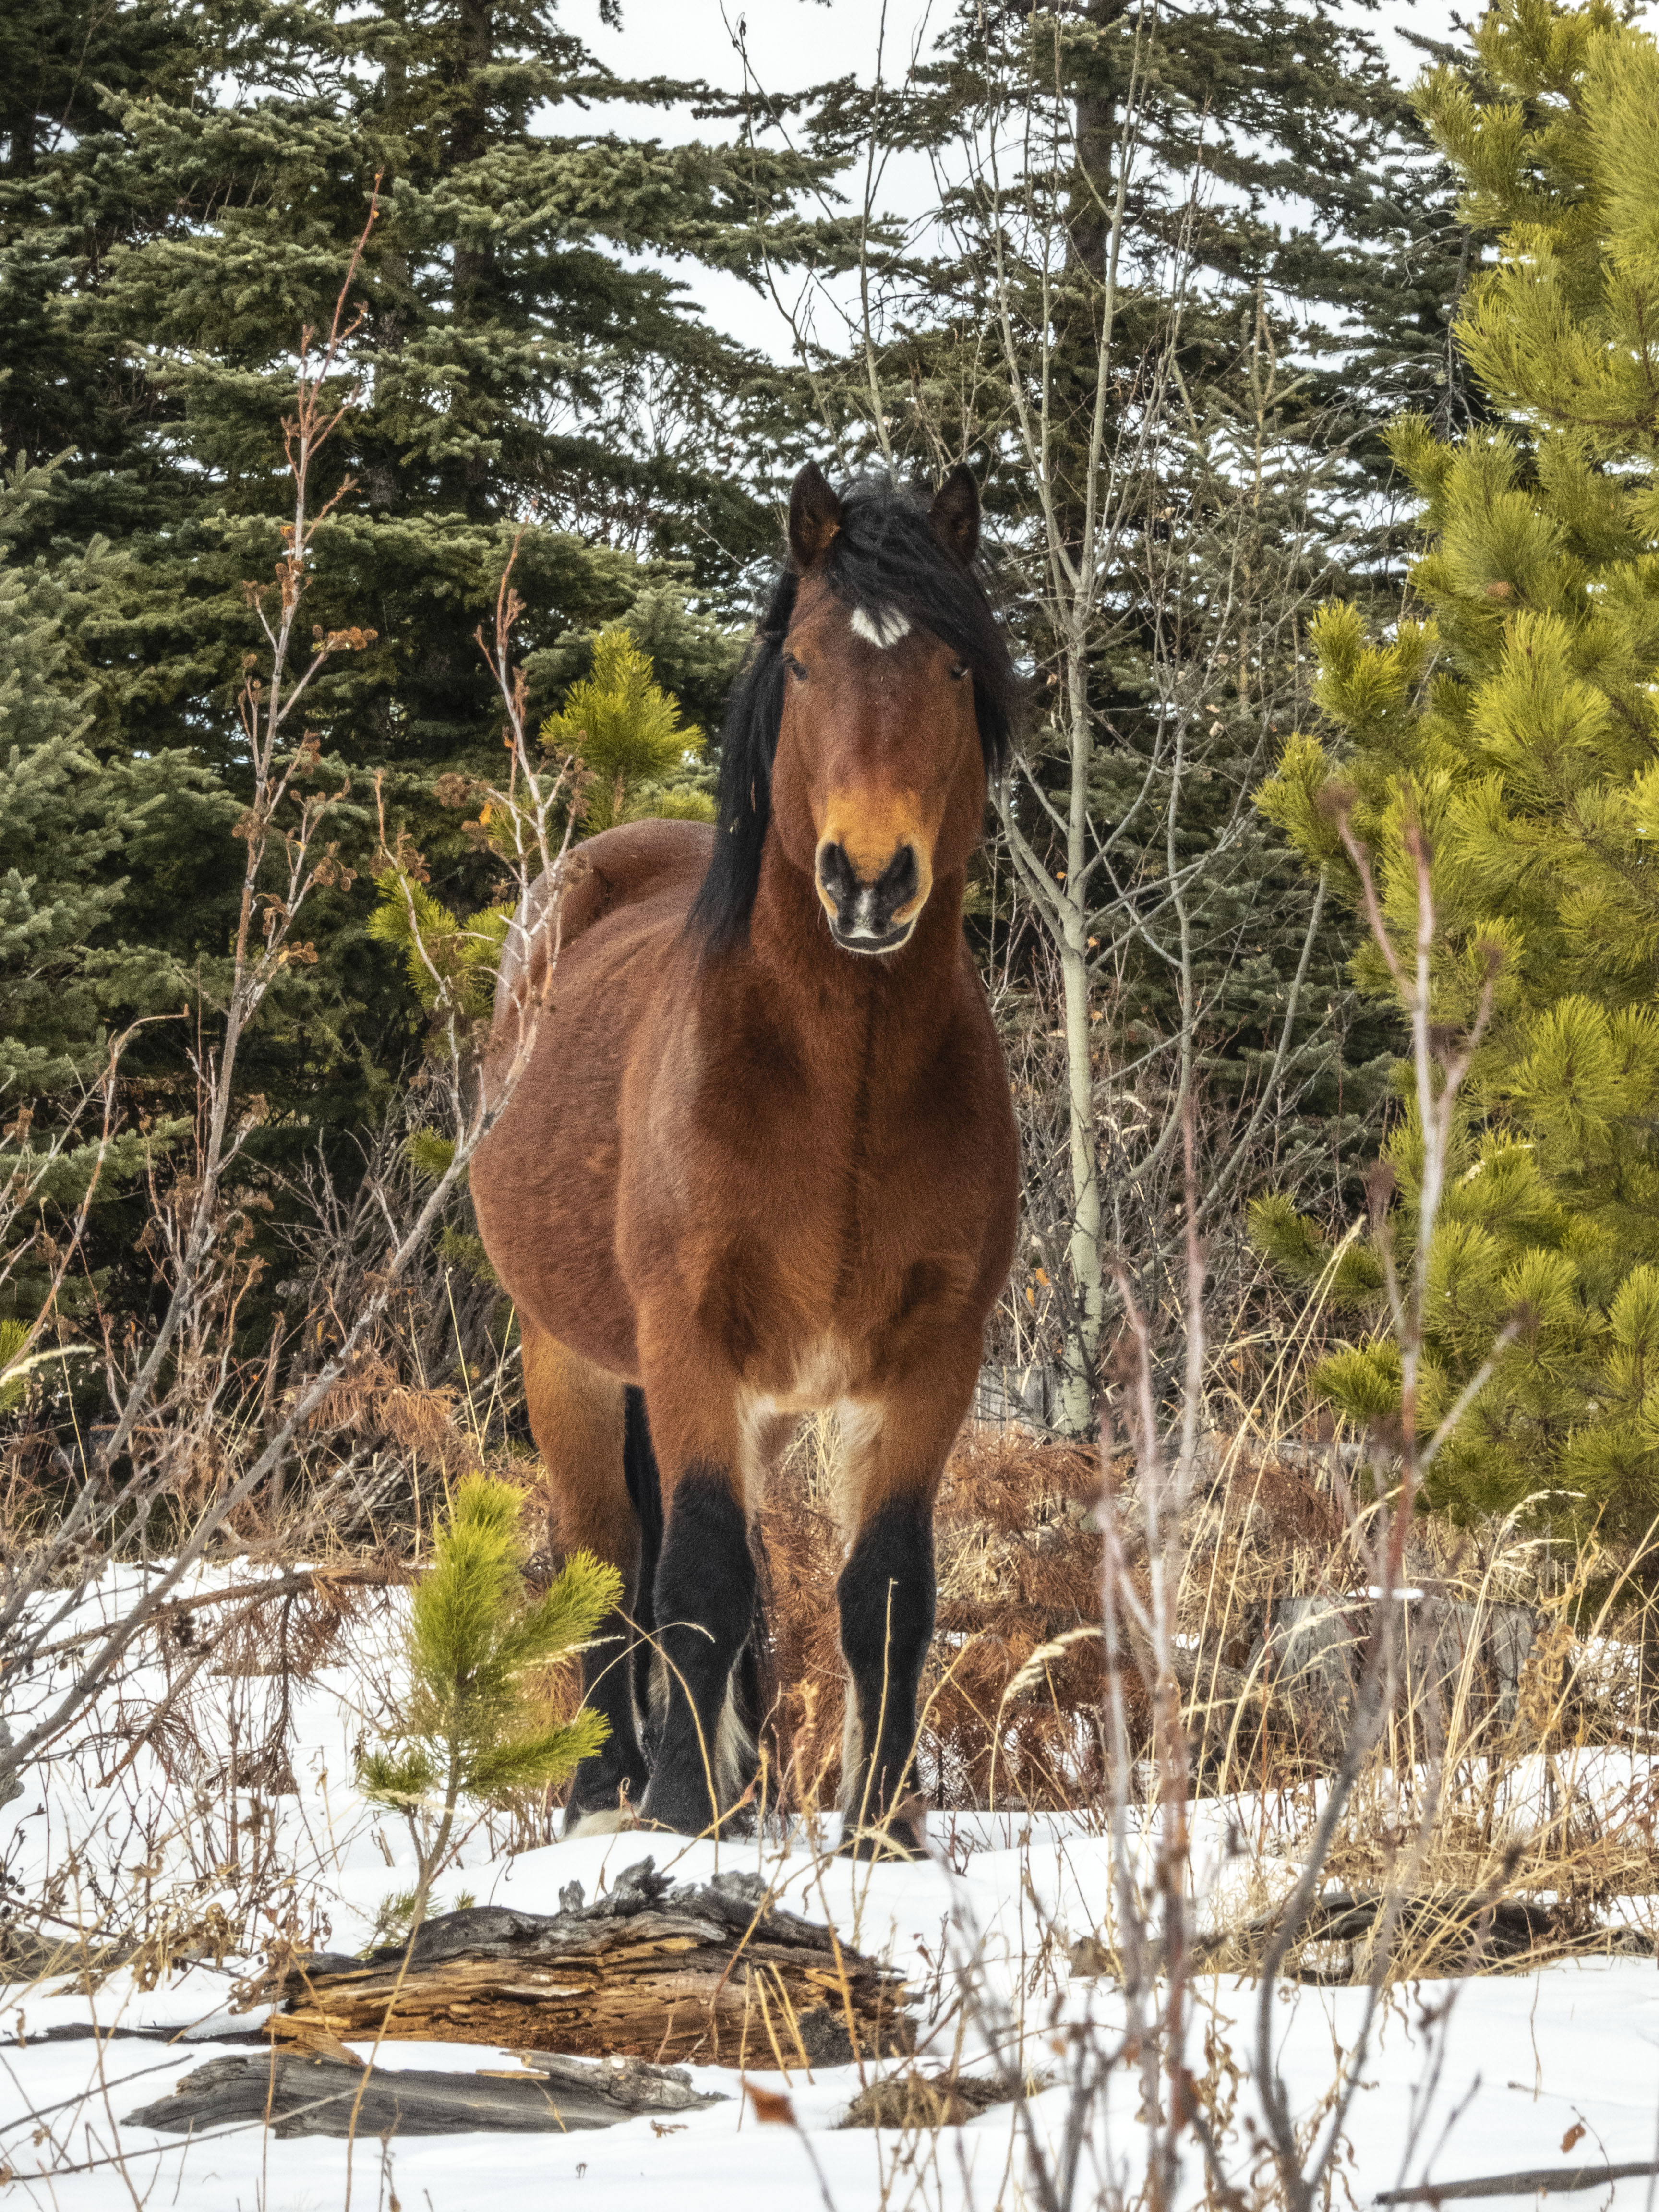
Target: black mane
point(886, 554)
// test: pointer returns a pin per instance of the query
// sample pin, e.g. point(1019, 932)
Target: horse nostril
point(897, 881)
point(863, 911)
point(837, 874)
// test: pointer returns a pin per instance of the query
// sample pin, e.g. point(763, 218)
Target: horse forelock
point(889, 570)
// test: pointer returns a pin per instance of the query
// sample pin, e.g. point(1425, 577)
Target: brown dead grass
point(1019, 1565)
point(1012, 1696)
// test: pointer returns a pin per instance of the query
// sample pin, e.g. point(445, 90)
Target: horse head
point(878, 781)
point(879, 697)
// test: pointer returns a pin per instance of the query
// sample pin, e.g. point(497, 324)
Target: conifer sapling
point(470, 1725)
point(626, 730)
point(1514, 724)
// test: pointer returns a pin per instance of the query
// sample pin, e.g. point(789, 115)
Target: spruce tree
point(72, 821)
point(62, 812)
point(1512, 716)
point(1284, 212)
point(1108, 261)
point(524, 369)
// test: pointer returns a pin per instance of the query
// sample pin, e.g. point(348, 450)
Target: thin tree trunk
point(1088, 1275)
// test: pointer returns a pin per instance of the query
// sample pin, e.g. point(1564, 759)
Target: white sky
point(794, 43)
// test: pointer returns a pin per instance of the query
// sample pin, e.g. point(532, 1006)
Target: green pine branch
point(470, 1725)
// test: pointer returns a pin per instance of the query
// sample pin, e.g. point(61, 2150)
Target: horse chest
point(826, 1269)
point(821, 1188)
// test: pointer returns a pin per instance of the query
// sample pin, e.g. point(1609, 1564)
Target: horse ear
point(814, 517)
point(955, 514)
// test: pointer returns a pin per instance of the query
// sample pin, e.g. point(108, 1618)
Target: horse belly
point(546, 1181)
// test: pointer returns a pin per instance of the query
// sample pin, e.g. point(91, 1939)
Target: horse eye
point(794, 668)
point(958, 672)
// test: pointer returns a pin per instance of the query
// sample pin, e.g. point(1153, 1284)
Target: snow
point(1488, 2076)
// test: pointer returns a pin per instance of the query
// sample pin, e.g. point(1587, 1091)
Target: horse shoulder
point(981, 1095)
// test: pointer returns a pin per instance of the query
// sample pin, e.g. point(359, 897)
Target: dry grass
point(1523, 1801)
point(1012, 1694)
point(1532, 1837)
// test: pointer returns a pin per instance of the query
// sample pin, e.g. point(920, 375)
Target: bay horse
point(761, 1159)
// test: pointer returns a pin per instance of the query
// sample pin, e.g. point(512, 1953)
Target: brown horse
point(761, 1158)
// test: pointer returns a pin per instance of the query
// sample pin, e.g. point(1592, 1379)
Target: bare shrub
point(192, 1461)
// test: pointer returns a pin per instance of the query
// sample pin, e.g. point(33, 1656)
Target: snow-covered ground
point(204, 1820)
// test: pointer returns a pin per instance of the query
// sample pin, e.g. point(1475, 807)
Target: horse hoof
point(677, 1819)
point(895, 1840)
point(699, 1821)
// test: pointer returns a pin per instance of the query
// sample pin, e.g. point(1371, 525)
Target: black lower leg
point(704, 1607)
point(887, 1591)
point(645, 1489)
point(616, 1771)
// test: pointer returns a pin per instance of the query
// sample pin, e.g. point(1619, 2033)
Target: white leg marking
point(860, 1421)
point(734, 1750)
point(604, 1821)
point(852, 1752)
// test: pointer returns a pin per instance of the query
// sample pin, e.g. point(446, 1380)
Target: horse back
point(637, 864)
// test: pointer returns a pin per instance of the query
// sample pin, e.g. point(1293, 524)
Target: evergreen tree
point(61, 64)
point(1120, 328)
point(72, 821)
point(1276, 181)
point(620, 748)
point(1514, 719)
point(62, 812)
point(522, 366)
point(626, 732)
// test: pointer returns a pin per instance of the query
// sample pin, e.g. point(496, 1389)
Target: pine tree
point(470, 1723)
point(619, 745)
point(628, 757)
point(61, 62)
point(1276, 176)
point(512, 363)
point(626, 733)
point(1100, 292)
point(72, 821)
point(61, 811)
point(1513, 719)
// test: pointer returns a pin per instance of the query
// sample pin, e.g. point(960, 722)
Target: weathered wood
point(1441, 1932)
point(713, 1972)
point(1535, 2180)
point(301, 2095)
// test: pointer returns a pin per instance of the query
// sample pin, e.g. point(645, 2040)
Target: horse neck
point(825, 996)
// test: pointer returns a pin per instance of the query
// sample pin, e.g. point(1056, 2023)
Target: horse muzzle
point(871, 916)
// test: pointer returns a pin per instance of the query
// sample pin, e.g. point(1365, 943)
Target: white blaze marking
point(883, 629)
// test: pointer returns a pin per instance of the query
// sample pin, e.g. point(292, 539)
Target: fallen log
point(1534, 2181)
point(1436, 1932)
point(301, 2095)
point(713, 1972)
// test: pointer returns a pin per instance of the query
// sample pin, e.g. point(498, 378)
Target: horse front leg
point(705, 1608)
point(896, 1451)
